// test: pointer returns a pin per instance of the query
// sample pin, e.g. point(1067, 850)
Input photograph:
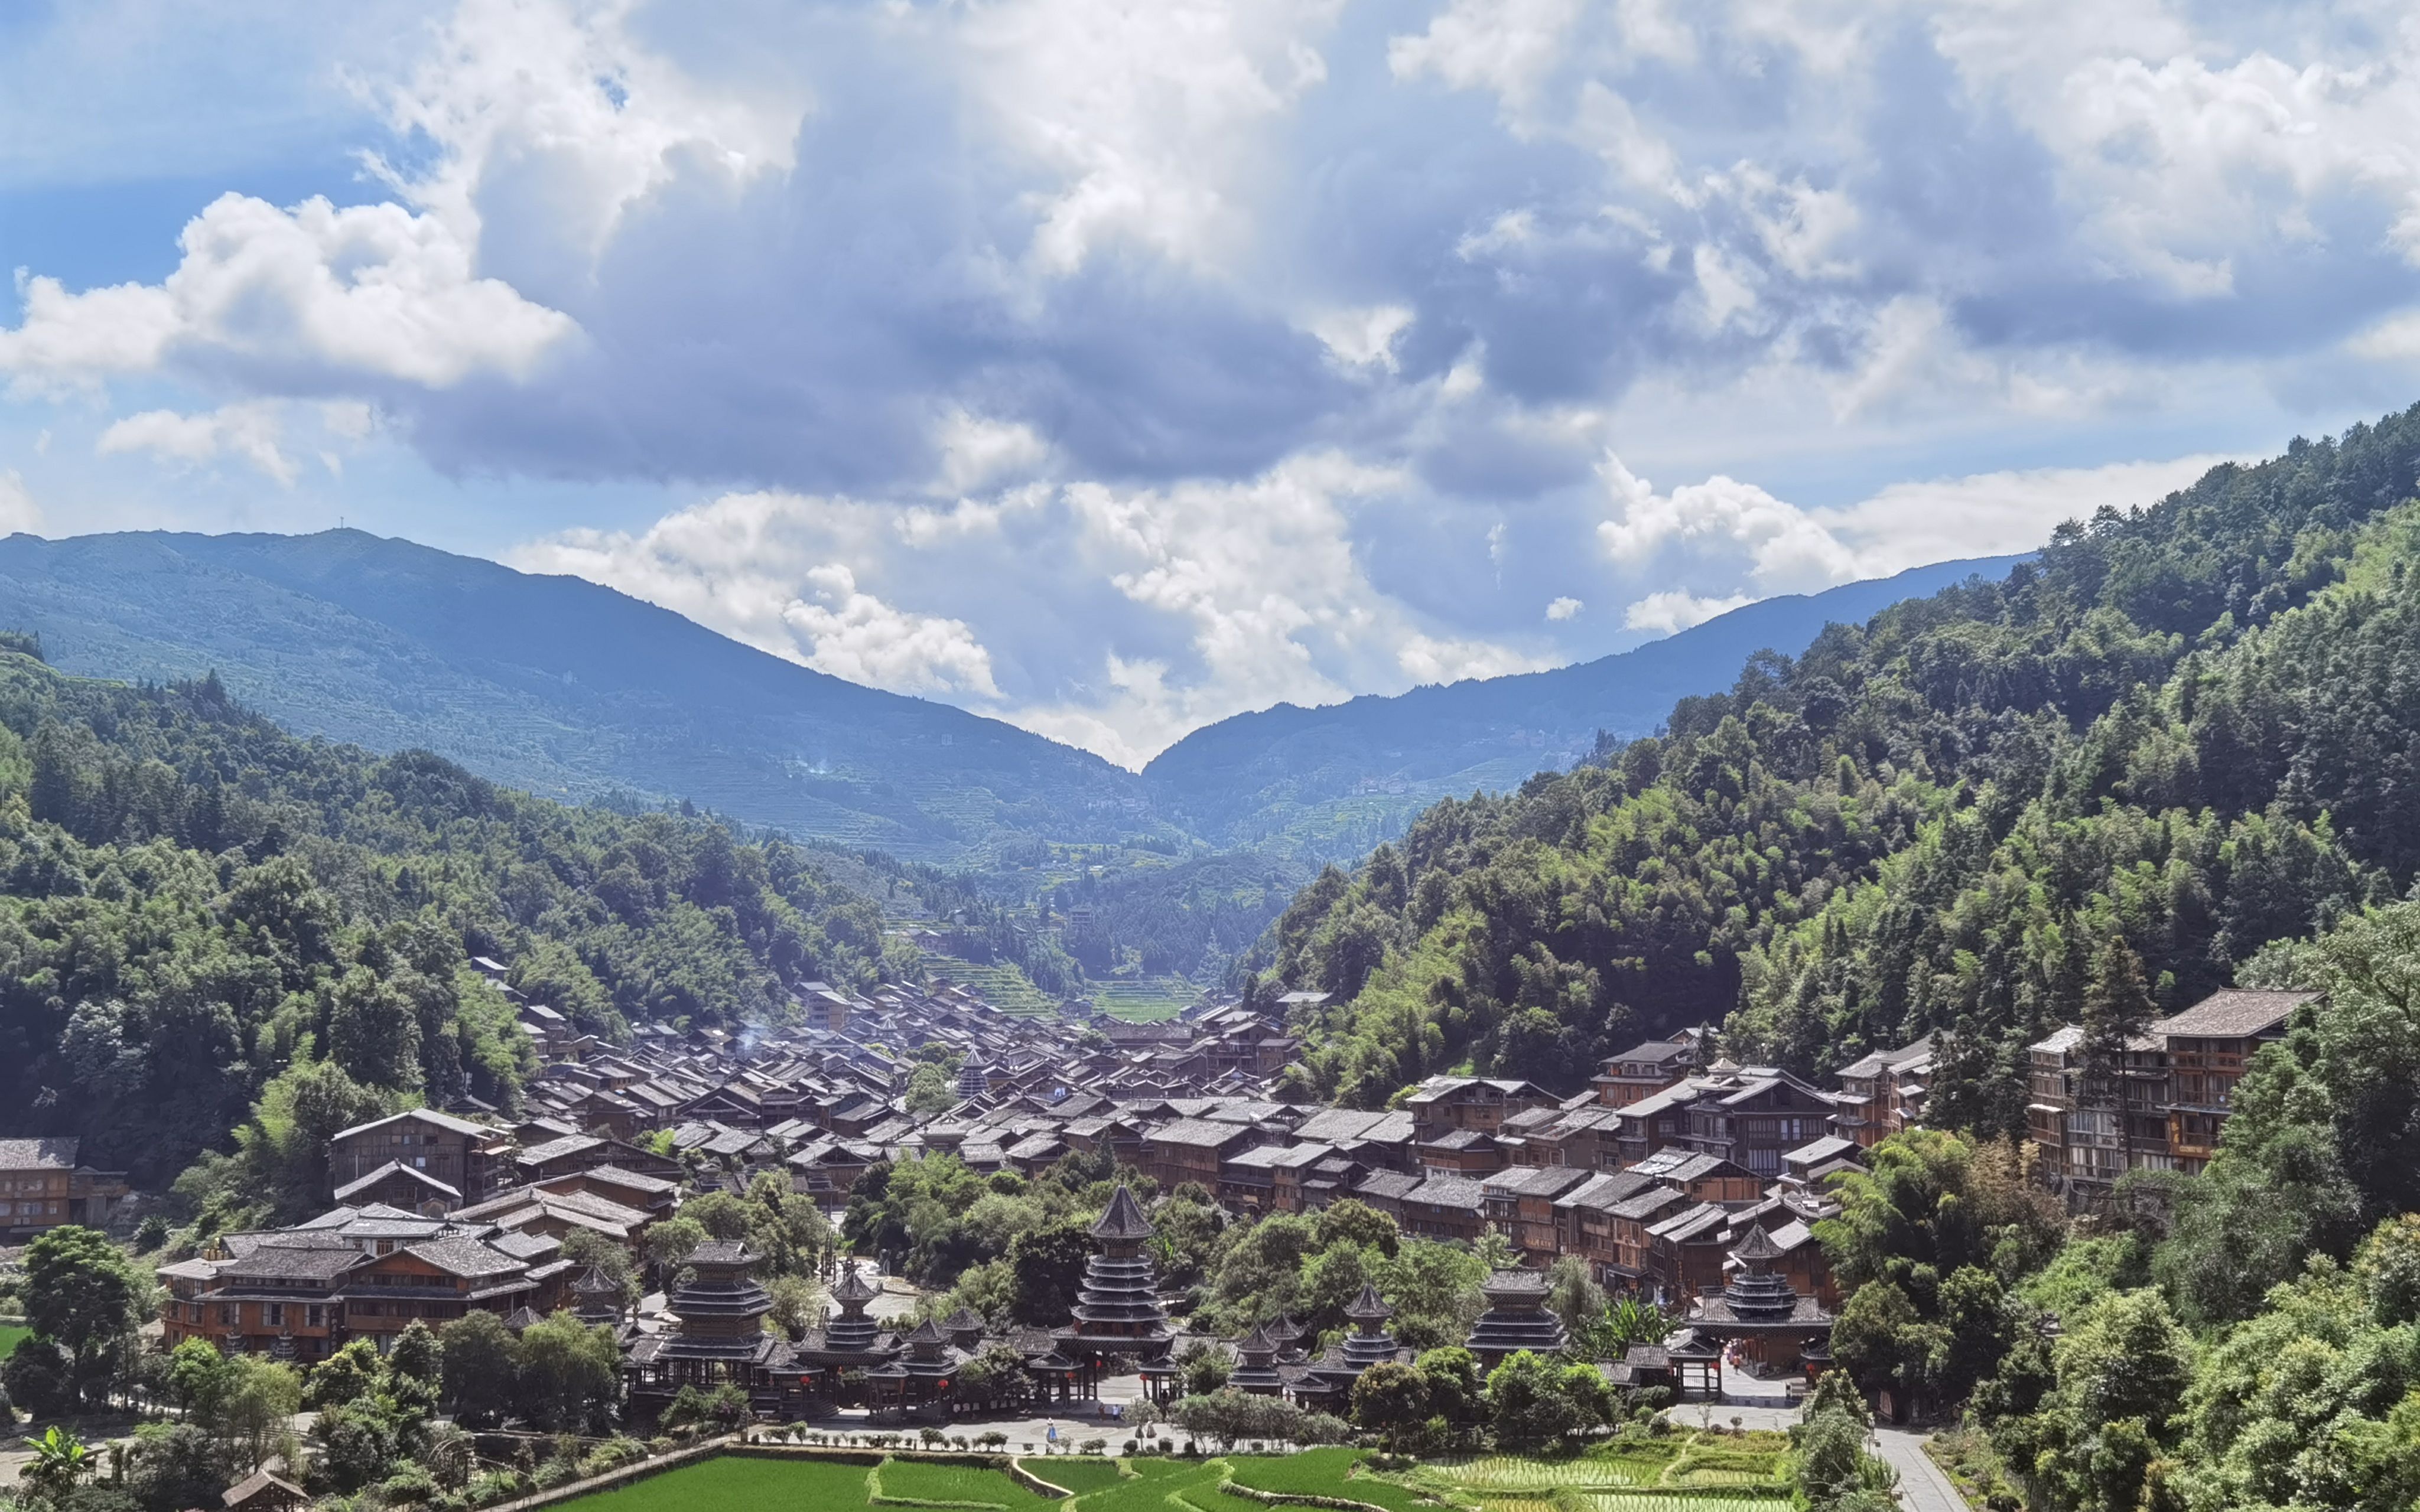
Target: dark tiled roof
point(2234, 1012)
point(1123, 1219)
point(38, 1154)
point(463, 1257)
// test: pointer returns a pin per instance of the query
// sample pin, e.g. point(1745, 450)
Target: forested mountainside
point(199, 912)
point(1331, 782)
point(556, 685)
point(579, 693)
point(2086, 793)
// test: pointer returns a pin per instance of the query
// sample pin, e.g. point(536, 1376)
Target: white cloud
point(309, 294)
point(759, 568)
point(976, 451)
point(2396, 338)
point(250, 430)
point(1995, 514)
point(1733, 544)
point(555, 117)
point(18, 511)
point(1431, 659)
point(1674, 610)
point(1147, 118)
point(857, 636)
point(1564, 607)
point(1363, 337)
point(1723, 525)
point(1507, 46)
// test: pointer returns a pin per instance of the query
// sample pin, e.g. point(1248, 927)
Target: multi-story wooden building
point(1190, 1150)
point(453, 1151)
point(2206, 1048)
point(1884, 1092)
point(1751, 1116)
point(300, 1294)
point(1444, 1206)
point(435, 1282)
point(2161, 1103)
point(283, 1299)
point(1644, 1070)
point(1520, 1204)
point(1474, 1102)
point(41, 1186)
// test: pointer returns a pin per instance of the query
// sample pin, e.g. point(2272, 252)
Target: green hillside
point(1332, 783)
point(554, 685)
point(206, 922)
point(2093, 789)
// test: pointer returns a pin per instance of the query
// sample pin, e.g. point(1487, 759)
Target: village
point(1677, 1178)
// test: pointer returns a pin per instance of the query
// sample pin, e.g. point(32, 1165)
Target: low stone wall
point(654, 1465)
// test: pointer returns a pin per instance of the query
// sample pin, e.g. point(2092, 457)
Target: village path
point(1922, 1486)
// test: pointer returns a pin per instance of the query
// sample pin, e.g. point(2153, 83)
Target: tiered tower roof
point(1117, 1309)
point(850, 1332)
point(1517, 1318)
point(1256, 1369)
point(1369, 1342)
point(721, 1309)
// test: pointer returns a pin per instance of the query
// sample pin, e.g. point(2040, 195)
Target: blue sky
point(1114, 368)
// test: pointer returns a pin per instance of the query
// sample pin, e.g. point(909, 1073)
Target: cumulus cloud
point(18, 511)
point(250, 431)
point(1276, 606)
point(1673, 610)
point(756, 567)
point(857, 635)
point(1734, 528)
point(1995, 514)
point(1121, 366)
point(1734, 543)
point(1116, 617)
point(292, 298)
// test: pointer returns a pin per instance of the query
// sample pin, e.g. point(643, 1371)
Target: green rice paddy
point(1079, 1475)
point(1685, 1472)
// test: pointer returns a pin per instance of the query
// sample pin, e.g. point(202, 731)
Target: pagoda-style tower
point(1328, 1384)
point(1369, 1343)
point(850, 1332)
point(1775, 1324)
point(1256, 1365)
point(1117, 1310)
point(819, 1366)
point(1517, 1318)
point(596, 1298)
point(1287, 1336)
point(966, 1330)
point(719, 1316)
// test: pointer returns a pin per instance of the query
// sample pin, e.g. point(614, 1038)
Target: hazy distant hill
point(553, 684)
point(1331, 781)
point(576, 691)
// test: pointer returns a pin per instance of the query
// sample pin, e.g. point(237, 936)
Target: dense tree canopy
point(194, 906)
point(2086, 793)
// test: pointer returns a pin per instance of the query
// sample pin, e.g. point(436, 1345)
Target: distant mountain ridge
point(576, 691)
point(553, 684)
point(1334, 779)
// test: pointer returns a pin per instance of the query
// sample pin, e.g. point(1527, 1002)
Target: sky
point(1113, 367)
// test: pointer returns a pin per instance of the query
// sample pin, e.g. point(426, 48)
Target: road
point(1922, 1485)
